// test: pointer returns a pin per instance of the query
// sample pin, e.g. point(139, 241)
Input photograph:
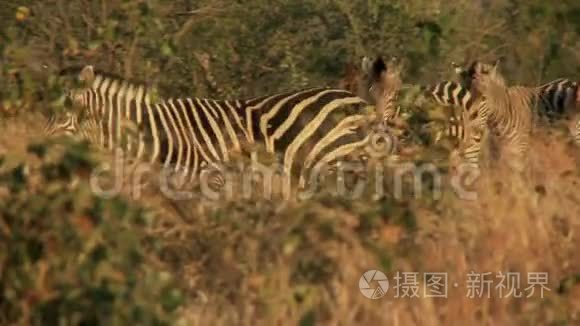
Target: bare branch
point(209, 10)
point(195, 16)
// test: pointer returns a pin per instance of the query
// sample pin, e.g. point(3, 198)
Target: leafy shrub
point(68, 256)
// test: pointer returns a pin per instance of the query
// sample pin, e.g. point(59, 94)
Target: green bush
point(68, 256)
point(231, 48)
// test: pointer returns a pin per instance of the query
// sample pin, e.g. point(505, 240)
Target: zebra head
point(382, 84)
point(66, 124)
point(487, 76)
point(79, 94)
point(380, 87)
point(471, 77)
point(467, 75)
point(381, 78)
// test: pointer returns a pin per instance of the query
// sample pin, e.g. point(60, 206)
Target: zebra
point(193, 134)
point(453, 130)
point(455, 97)
point(560, 100)
point(450, 94)
point(379, 84)
point(555, 99)
point(67, 126)
point(508, 114)
point(454, 94)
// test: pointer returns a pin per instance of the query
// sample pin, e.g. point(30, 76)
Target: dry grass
point(258, 262)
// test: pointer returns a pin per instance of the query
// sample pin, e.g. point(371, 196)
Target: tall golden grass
point(267, 262)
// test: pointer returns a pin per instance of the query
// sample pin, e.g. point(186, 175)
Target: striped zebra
point(381, 85)
point(452, 95)
point(453, 130)
point(556, 98)
point(67, 126)
point(561, 101)
point(308, 129)
point(508, 114)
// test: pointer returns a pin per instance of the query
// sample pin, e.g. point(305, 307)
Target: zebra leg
point(472, 148)
point(518, 155)
point(438, 136)
point(454, 159)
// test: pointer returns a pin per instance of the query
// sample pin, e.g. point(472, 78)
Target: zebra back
point(306, 129)
point(449, 94)
point(558, 98)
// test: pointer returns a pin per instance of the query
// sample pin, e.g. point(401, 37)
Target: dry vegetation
point(242, 261)
point(68, 256)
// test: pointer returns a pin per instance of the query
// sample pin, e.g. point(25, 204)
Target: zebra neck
point(496, 95)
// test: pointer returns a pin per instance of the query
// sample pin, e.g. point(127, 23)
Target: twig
point(204, 10)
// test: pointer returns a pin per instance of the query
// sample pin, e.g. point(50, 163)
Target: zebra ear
point(366, 65)
point(395, 66)
point(87, 75)
point(497, 64)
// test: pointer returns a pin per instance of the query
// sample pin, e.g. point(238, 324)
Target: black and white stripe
point(508, 114)
point(451, 95)
point(559, 99)
point(308, 129)
point(67, 126)
point(381, 83)
point(553, 100)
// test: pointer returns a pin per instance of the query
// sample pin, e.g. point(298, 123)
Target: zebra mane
point(110, 84)
point(75, 70)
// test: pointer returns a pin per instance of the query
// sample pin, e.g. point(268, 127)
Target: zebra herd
point(308, 131)
point(490, 108)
